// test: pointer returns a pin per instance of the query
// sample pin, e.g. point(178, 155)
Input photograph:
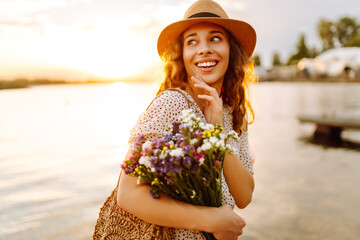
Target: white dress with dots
point(163, 111)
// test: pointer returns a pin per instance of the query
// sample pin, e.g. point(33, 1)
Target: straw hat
point(208, 11)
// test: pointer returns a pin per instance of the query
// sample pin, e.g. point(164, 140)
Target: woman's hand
point(228, 224)
point(212, 103)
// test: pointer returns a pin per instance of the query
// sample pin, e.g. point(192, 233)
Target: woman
point(206, 57)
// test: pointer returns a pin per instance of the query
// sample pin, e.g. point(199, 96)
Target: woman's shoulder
point(170, 99)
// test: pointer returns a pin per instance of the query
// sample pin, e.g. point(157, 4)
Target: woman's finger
point(201, 84)
point(206, 97)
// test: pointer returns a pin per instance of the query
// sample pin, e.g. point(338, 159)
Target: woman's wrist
point(205, 219)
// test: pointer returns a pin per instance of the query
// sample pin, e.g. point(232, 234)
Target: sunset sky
point(78, 39)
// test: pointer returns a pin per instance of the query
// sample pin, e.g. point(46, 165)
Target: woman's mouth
point(207, 64)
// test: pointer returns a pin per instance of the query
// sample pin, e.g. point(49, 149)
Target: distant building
point(332, 63)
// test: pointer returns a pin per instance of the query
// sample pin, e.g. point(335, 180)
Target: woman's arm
point(239, 179)
point(165, 211)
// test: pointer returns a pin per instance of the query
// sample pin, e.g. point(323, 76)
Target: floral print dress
point(160, 115)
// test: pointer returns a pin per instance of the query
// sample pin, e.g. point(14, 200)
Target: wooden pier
point(330, 126)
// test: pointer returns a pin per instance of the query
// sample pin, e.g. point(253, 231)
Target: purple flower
point(159, 143)
point(187, 161)
point(190, 150)
point(167, 137)
point(207, 178)
point(154, 193)
point(195, 167)
point(175, 127)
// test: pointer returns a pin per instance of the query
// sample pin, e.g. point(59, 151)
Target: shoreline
point(25, 83)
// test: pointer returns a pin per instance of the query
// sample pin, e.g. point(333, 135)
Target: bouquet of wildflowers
point(185, 164)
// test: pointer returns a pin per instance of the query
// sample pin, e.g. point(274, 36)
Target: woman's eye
point(191, 42)
point(215, 39)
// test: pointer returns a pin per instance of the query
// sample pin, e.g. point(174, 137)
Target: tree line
point(345, 32)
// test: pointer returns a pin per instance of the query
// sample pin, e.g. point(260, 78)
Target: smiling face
point(206, 52)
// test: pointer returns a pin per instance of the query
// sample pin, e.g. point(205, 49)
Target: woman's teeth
point(206, 64)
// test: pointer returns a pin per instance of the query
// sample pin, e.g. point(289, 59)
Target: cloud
point(10, 7)
point(30, 13)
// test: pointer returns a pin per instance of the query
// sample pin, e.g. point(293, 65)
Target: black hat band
point(204, 15)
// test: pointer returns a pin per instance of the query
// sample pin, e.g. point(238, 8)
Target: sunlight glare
point(103, 51)
point(117, 52)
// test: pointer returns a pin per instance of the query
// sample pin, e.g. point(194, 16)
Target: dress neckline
point(193, 102)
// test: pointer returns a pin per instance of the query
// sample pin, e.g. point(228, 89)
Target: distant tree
point(302, 51)
point(257, 60)
point(276, 59)
point(355, 42)
point(347, 30)
point(313, 52)
point(326, 31)
point(343, 33)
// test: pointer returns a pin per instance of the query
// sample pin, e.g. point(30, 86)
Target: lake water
point(61, 146)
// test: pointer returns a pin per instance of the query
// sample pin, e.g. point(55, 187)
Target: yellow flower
point(164, 149)
point(206, 134)
point(137, 170)
point(155, 182)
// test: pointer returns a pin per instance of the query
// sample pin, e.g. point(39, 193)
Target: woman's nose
point(205, 48)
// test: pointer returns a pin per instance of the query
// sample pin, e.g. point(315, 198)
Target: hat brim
point(242, 31)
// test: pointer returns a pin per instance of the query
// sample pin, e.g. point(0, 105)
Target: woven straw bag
point(115, 223)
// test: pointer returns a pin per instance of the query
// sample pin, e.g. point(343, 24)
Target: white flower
point(220, 144)
point(147, 145)
point(145, 160)
point(162, 155)
point(218, 183)
point(222, 136)
point(193, 194)
point(187, 114)
point(229, 146)
point(178, 152)
point(202, 125)
point(209, 126)
point(234, 134)
point(206, 146)
point(193, 141)
point(213, 140)
point(190, 122)
point(201, 161)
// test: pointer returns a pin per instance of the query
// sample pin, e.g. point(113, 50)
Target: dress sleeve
point(159, 116)
point(244, 151)
point(241, 146)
